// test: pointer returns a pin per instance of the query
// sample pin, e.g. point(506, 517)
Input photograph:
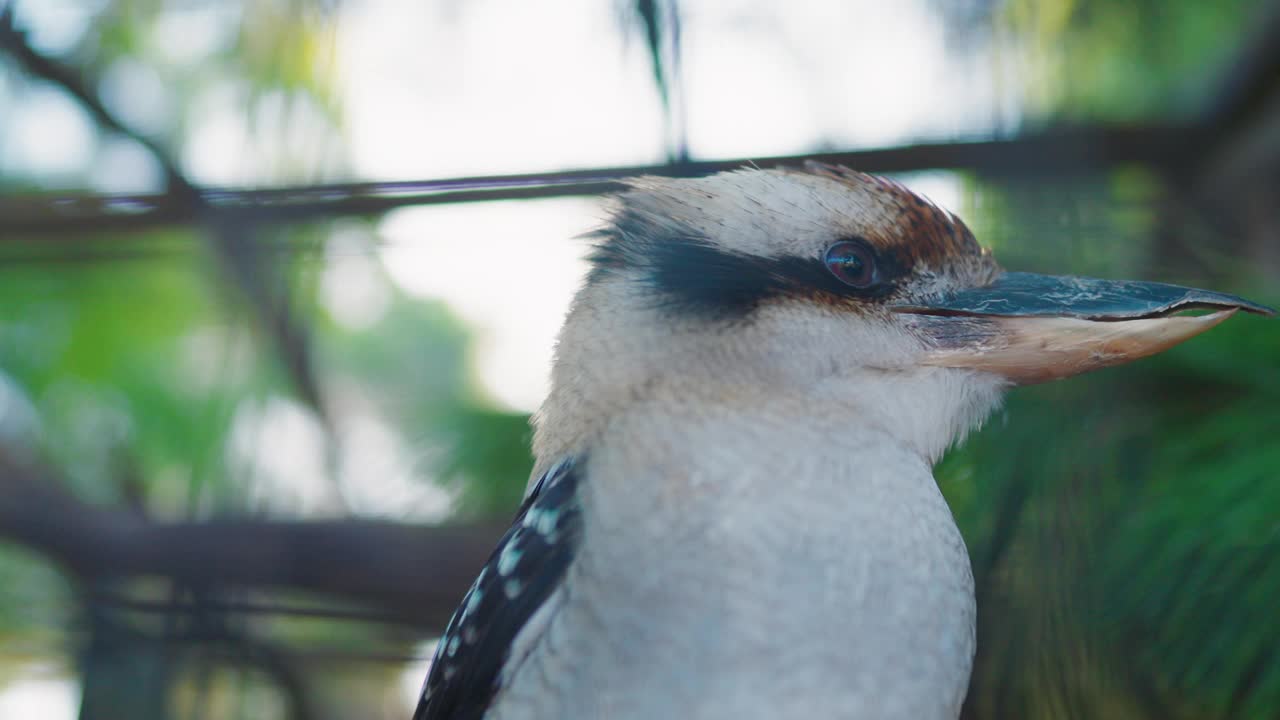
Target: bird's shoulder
point(523, 571)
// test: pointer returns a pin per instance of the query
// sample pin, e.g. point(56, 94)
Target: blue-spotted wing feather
point(522, 572)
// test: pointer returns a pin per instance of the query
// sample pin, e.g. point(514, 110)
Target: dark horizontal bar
point(1063, 151)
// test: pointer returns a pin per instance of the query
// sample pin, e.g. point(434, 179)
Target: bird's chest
point(829, 582)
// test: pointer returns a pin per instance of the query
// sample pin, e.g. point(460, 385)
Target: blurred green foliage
point(1144, 520)
point(1121, 61)
point(1122, 524)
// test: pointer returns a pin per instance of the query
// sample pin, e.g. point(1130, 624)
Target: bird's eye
point(852, 263)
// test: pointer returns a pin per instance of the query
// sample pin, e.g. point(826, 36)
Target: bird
point(732, 511)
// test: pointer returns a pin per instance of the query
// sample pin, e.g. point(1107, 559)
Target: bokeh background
point(279, 283)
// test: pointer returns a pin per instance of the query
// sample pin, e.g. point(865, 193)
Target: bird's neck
point(811, 541)
point(923, 410)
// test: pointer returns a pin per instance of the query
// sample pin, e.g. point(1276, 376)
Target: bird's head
point(824, 285)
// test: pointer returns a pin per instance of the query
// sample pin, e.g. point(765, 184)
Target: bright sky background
point(439, 89)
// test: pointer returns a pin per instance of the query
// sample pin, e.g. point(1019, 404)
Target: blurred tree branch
point(230, 236)
point(414, 573)
point(14, 42)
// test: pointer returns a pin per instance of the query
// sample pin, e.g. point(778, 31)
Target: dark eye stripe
point(690, 275)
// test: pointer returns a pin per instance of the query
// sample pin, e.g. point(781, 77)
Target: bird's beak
point(1034, 328)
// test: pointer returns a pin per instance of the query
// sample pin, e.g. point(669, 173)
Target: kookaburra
point(733, 513)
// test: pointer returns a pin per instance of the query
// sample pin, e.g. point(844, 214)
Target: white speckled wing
point(513, 586)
